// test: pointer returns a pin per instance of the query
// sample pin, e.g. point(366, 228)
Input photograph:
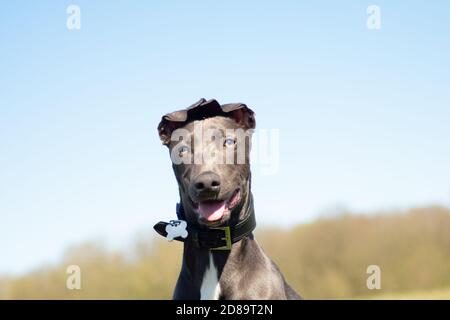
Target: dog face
point(210, 159)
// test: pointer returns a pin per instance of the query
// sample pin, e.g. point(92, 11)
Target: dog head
point(209, 145)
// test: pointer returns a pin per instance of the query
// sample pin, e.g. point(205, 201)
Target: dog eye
point(229, 142)
point(183, 150)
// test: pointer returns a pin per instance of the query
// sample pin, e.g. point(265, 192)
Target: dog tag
point(176, 228)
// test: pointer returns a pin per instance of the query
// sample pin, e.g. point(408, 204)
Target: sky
point(362, 115)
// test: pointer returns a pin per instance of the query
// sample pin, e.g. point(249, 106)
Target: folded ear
point(165, 129)
point(241, 114)
point(174, 120)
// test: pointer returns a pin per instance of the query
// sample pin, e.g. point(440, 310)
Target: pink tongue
point(212, 210)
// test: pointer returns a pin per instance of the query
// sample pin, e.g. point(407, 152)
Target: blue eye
point(229, 142)
point(183, 150)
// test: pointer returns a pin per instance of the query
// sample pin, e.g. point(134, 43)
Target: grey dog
point(221, 258)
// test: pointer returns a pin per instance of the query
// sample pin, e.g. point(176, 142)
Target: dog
point(221, 258)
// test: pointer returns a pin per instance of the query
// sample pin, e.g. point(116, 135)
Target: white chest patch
point(210, 288)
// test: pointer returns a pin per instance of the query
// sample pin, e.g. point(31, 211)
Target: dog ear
point(165, 129)
point(243, 115)
point(177, 119)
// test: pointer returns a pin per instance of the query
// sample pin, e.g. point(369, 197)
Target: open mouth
point(215, 210)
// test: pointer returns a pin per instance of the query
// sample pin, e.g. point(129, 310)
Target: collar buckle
point(227, 239)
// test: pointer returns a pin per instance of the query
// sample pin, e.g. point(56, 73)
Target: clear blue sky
point(363, 115)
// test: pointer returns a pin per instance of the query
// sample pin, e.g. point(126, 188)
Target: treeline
point(325, 259)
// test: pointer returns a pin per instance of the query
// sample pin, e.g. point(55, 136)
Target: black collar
point(220, 238)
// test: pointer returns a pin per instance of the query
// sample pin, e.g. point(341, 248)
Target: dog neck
point(204, 267)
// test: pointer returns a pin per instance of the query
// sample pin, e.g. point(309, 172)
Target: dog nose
point(207, 181)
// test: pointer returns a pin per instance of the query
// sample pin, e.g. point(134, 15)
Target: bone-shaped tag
point(176, 228)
